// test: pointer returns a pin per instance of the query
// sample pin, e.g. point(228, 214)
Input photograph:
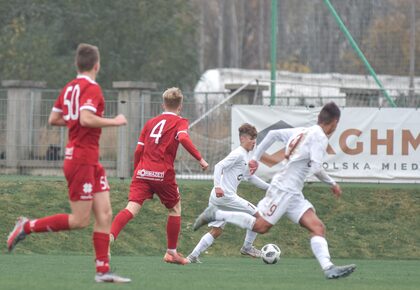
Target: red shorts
point(141, 189)
point(84, 180)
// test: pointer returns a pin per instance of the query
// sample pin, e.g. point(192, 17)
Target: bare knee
point(133, 207)
point(261, 226)
point(79, 222)
point(104, 217)
point(216, 232)
point(318, 230)
point(176, 210)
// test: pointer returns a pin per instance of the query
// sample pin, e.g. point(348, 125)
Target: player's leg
point(319, 246)
point(80, 201)
point(272, 206)
point(169, 196)
point(103, 217)
point(248, 247)
point(237, 203)
point(211, 213)
point(173, 228)
point(140, 190)
point(206, 241)
point(123, 218)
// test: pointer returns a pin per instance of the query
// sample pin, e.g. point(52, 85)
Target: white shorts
point(277, 203)
point(230, 203)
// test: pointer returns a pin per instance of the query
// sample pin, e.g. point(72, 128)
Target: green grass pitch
point(73, 272)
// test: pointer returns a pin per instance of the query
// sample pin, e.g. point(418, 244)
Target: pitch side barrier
point(369, 145)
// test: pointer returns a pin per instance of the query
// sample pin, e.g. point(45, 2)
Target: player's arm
point(137, 154)
point(222, 165)
point(281, 135)
point(258, 182)
point(322, 175)
point(187, 143)
point(56, 115)
point(217, 178)
point(89, 119)
point(140, 147)
point(317, 152)
point(56, 118)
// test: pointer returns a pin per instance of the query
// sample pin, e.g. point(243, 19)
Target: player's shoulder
point(173, 118)
point(88, 85)
point(317, 134)
point(238, 153)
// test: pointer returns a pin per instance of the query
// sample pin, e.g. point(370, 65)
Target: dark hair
point(248, 129)
point(86, 57)
point(329, 112)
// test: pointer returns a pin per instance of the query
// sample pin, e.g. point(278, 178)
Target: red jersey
point(159, 139)
point(81, 93)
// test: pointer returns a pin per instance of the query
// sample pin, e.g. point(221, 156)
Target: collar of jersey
point(169, 113)
point(86, 78)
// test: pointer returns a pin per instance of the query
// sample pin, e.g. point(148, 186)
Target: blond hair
point(172, 98)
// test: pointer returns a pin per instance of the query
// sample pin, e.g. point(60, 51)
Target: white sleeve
point(317, 152)
point(324, 177)
point(281, 135)
point(224, 164)
point(258, 182)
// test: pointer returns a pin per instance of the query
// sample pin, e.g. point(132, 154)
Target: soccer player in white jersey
point(228, 173)
point(305, 151)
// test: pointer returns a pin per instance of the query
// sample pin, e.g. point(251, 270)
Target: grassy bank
point(369, 221)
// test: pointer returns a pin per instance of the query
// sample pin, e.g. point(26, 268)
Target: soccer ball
point(270, 253)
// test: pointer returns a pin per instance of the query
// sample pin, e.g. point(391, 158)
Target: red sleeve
point(137, 155)
point(58, 105)
point(91, 99)
point(139, 148)
point(186, 142)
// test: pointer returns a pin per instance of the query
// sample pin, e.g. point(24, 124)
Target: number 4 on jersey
point(157, 131)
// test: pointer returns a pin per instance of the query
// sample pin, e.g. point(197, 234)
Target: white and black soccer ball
point(270, 253)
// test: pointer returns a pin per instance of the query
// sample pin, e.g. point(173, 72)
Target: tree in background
point(174, 42)
point(139, 40)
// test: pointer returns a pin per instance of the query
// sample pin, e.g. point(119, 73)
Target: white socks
point(205, 242)
point(249, 239)
point(240, 219)
point(319, 247)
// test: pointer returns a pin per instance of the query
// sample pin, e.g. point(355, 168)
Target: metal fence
point(41, 147)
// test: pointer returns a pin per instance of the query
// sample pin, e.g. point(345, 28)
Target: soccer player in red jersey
point(80, 106)
point(154, 170)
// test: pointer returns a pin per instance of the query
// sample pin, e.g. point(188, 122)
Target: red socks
point(54, 223)
point(119, 222)
point(101, 245)
point(173, 227)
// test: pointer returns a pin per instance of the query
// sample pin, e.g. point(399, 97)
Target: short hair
point(248, 129)
point(172, 98)
point(86, 57)
point(329, 113)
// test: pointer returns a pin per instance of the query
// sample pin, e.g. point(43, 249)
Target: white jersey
point(305, 153)
point(229, 172)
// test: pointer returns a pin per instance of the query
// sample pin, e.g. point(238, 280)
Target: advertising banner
point(369, 145)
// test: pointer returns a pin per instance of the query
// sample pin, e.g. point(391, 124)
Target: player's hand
point(253, 166)
point(120, 120)
point(336, 190)
point(203, 163)
point(219, 191)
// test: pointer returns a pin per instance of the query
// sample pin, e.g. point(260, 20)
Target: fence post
point(134, 100)
point(23, 113)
